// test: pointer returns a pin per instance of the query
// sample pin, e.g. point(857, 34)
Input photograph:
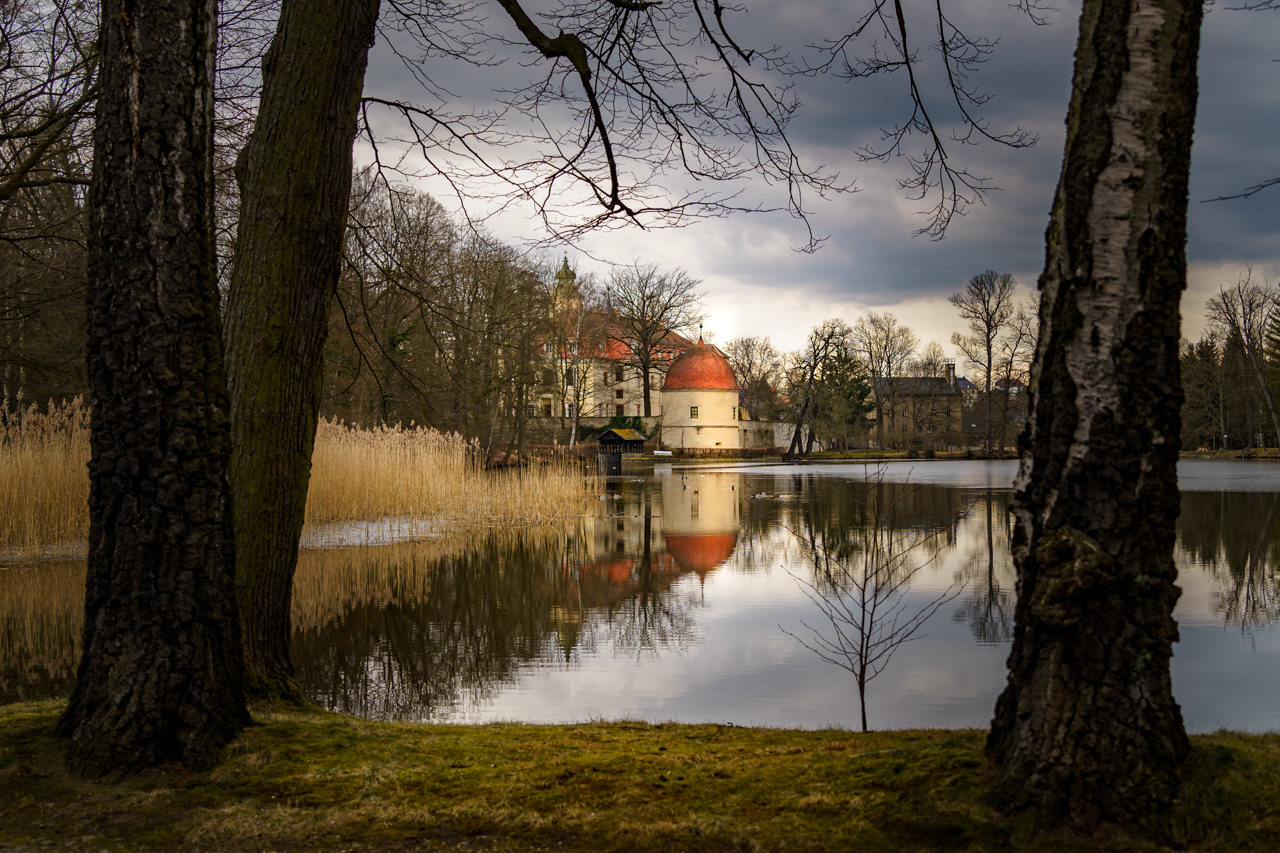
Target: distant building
point(590, 369)
point(921, 410)
point(589, 374)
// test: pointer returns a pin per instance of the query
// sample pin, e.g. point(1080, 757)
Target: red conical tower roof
point(700, 368)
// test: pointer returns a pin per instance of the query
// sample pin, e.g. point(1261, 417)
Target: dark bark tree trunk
point(797, 434)
point(160, 678)
point(1087, 731)
point(295, 180)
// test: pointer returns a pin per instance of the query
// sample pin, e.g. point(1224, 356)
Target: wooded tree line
point(848, 378)
point(1231, 375)
point(198, 471)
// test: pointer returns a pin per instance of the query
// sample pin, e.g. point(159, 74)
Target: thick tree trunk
point(160, 678)
point(295, 180)
point(1087, 731)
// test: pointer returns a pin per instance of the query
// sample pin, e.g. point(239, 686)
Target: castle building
point(589, 374)
point(589, 368)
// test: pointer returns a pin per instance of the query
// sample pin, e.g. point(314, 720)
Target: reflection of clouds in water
point(600, 619)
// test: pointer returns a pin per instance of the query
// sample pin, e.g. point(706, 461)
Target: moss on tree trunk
point(1087, 732)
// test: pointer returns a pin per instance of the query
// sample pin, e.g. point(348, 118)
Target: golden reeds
point(417, 473)
point(44, 479)
point(430, 480)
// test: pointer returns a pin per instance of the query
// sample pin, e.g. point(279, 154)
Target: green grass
point(314, 781)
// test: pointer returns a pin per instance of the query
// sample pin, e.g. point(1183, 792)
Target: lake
point(689, 593)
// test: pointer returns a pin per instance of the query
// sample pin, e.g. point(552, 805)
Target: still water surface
point(673, 601)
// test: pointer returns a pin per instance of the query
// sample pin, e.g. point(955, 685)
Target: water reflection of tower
point(701, 519)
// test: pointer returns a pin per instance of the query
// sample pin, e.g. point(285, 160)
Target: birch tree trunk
point(1087, 732)
point(160, 678)
point(295, 182)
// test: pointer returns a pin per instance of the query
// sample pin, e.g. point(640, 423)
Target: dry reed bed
point(44, 479)
point(357, 475)
point(400, 472)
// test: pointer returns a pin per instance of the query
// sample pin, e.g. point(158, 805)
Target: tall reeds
point(413, 474)
point(44, 480)
point(417, 473)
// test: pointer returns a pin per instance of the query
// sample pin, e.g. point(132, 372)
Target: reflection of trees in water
point(862, 566)
point(838, 508)
point(1235, 536)
point(439, 632)
point(834, 507)
point(988, 574)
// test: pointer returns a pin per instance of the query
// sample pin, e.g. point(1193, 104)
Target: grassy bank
point(357, 475)
point(313, 781)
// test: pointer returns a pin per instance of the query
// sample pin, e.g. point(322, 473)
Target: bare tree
point(885, 348)
point(1245, 310)
point(48, 83)
point(759, 368)
point(654, 89)
point(295, 183)
point(931, 360)
point(48, 80)
point(1014, 352)
point(646, 307)
point(861, 587)
point(893, 48)
point(825, 357)
point(987, 303)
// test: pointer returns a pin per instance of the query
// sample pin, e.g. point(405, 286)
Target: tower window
point(693, 412)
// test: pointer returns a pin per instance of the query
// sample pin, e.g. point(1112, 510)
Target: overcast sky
point(756, 284)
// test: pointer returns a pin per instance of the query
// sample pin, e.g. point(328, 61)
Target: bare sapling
point(861, 583)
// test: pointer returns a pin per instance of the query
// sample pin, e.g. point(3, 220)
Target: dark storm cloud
point(871, 257)
point(1237, 142)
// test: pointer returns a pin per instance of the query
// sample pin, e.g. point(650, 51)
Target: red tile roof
point(700, 368)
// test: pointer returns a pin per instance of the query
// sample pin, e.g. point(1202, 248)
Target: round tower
point(700, 401)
